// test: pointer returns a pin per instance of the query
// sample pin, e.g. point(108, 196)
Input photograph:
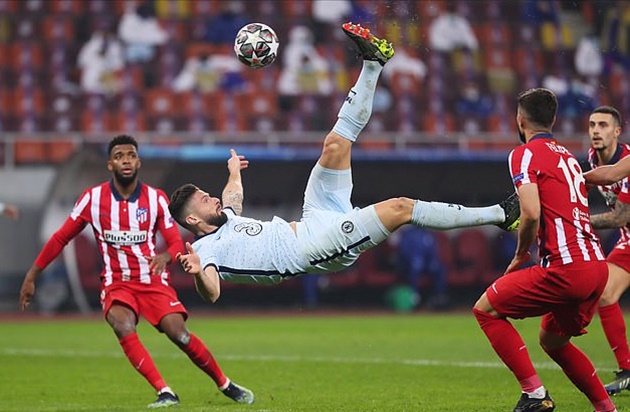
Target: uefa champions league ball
point(256, 45)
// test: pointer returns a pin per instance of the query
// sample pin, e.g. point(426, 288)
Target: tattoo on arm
point(235, 200)
point(616, 218)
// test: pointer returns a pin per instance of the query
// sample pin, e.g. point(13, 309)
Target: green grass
point(296, 363)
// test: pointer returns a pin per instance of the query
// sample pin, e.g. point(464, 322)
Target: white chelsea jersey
point(247, 250)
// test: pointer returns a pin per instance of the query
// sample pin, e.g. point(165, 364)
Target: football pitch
point(298, 362)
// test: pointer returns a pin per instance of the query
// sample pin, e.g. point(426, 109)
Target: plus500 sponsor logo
point(125, 237)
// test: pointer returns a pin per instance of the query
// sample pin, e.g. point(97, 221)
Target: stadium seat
point(26, 28)
point(499, 123)
point(493, 34)
point(472, 257)
point(67, 7)
point(427, 10)
point(445, 250)
point(292, 10)
point(199, 124)
point(28, 101)
point(556, 38)
point(258, 104)
point(8, 6)
point(178, 30)
point(60, 150)
point(28, 152)
point(161, 101)
point(58, 28)
point(204, 8)
point(128, 121)
point(373, 268)
point(4, 57)
point(25, 55)
point(95, 122)
point(438, 123)
point(201, 48)
point(193, 103)
point(179, 9)
point(165, 123)
point(405, 84)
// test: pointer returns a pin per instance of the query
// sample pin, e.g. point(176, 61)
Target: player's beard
point(125, 181)
point(218, 220)
point(521, 136)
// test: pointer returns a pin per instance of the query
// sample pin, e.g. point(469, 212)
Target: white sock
point(166, 389)
point(538, 393)
point(357, 108)
point(443, 216)
point(225, 385)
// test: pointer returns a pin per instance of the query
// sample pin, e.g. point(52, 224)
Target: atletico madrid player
point(125, 215)
point(565, 288)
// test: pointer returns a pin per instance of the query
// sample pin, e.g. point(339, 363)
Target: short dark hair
point(611, 111)
point(179, 203)
point(539, 106)
point(121, 139)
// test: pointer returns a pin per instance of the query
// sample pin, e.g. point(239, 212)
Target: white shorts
point(331, 233)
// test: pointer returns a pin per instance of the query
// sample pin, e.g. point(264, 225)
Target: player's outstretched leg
point(445, 216)
point(238, 393)
point(371, 47)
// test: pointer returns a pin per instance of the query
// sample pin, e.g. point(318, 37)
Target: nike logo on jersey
point(174, 303)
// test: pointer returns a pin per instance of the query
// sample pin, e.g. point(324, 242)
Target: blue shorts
point(332, 234)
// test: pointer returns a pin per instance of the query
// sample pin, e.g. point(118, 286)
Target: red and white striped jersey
point(618, 191)
point(125, 230)
point(565, 234)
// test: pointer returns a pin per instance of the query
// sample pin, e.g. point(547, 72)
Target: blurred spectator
point(209, 73)
point(588, 58)
point(537, 12)
point(304, 70)
point(615, 39)
point(327, 15)
point(100, 61)
point(331, 11)
point(141, 32)
point(450, 31)
point(418, 256)
point(222, 28)
point(405, 64)
point(575, 97)
point(473, 102)
point(9, 210)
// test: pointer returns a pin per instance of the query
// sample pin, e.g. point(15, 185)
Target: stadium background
point(422, 144)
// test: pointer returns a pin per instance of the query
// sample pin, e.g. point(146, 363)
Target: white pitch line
point(280, 358)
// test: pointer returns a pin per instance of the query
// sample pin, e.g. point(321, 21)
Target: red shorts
point(153, 301)
point(620, 256)
point(566, 296)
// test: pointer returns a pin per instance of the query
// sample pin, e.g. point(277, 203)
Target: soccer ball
point(256, 45)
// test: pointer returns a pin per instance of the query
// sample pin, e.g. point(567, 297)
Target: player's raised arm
point(609, 174)
point(233, 192)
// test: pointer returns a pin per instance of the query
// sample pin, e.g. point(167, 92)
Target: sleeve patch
point(518, 178)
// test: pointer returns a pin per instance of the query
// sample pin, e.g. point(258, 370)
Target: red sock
point(201, 356)
point(141, 360)
point(579, 369)
point(509, 345)
point(615, 329)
